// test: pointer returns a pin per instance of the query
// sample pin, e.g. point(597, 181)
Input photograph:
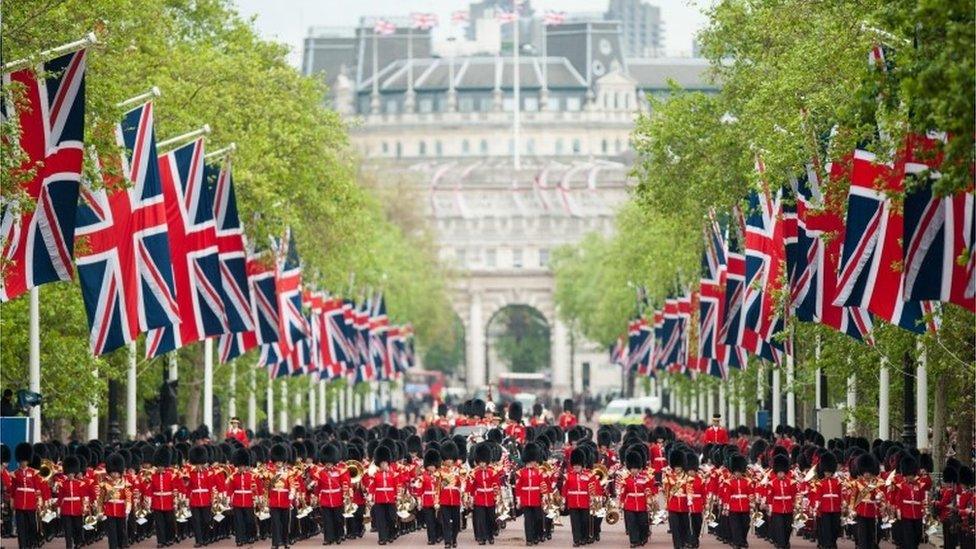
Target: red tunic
point(827, 495)
point(530, 485)
point(242, 486)
point(72, 496)
point(576, 489)
point(781, 496)
point(515, 431)
point(869, 507)
point(450, 495)
point(281, 492)
point(162, 489)
point(716, 435)
point(332, 485)
point(736, 493)
point(909, 499)
point(27, 489)
point(678, 486)
point(239, 434)
point(425, 488)
point(658, 461)
point(199, 486)
point(484, 483)
point(635, 490)
point(567, 420)
point(697, 494)
point(383, 486)
point(537, 421)
point(117, 506)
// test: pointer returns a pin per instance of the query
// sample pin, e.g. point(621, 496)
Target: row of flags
point(841, 244)
point(160, 249)
point(427, 21)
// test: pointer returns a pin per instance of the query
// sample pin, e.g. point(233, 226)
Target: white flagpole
point(283, 413)
point(232, 398)
point(173, 374)
point(721, 405)
point(777, 399)
point(323, 412)
point(252, 402)
point(851, 402)
point(151, 94)
point(208, 384)
point(517, 107)
point(130, 392)
point(202, 130)
point(374, 104)
point(884, 400)
point(93, 414)
point(269, 403)
point(312, 405)
point(922, 398)
point(34, 373)
point(45, 55)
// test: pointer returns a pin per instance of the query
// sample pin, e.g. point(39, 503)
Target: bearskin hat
point(691, 460)
point(279, 452)
point(241, 458)
point(477, 408)
point(415, 446)
point(482, 453)
point(198, 455)
point(925, 462)
point(568, 405)
point(354, 452)
point(676, 459)
point(827, 464)
point(634, 459)
point(866, 463)
point(383, 454)
point(115, 463)
point(781, 463)
point(495, 435)
point(604, 438)
point(163, 457)
point(578, 457)
point(442, 409)
point(449, 451)
point(908, 466)
point(515, 412)
point(330, 454)
point(532, 453)
point(737, 463)
point(966, 476)
point(298, 432)
point(4, 454)
point(23, 452)
point(432, 458)
point(72, 466)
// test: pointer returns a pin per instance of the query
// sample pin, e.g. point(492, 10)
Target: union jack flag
point(230, 245)
point(378, 326)
point(618, 352)
point(194, 252)
point(37, 240)
point(816, 253)
point(711, 305)
point(236, 344)
point(292, 325)
point(938, 232)
point(670, 355)
point(765, 258)
point(123, 251)
point(273, 360)
point(870, 271)
point(338, 351)
point(554, 18)
point(366, 369)
point(314, 303)
point(384, 27)
point(638, 346)
point(423, 21)
point(262, 305)
point(459, 17)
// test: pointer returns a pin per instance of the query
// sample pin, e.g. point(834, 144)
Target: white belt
point(242, 491)
point(694, 495)
point(912, 502)
point(198, 490)
point(429, 493)
point(530, 487)
point(26, 490)
point(739, 496)
point(279, 489)
point(578, 492)
point(384, 489)
point(486, 489)
point(830, 496)
point(635, 495)
point(330, 491)
point(164, 493)
point(782, 497)
point(71, 498)
point(116, 501)
point(451, 488)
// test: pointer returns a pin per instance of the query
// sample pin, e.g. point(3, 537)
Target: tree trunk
point(938, 421)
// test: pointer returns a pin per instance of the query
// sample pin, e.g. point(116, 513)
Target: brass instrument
point(503, 505)
point(355, 470)
point(46, 470)
point(601, 473)
point(349, 508)
point(406, 506)
point(756, 518)
point(219, 505)
point(612, 511)
point(368, 511)
point(552, 504)
point(182, 507)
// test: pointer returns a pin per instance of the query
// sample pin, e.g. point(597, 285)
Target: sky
point(288, 21)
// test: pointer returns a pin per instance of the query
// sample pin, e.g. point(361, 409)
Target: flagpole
point(130, 392)
point(312, 405)
point(269, 403)
point(93, 413)
point(922, 399)
point(232, 398)
point(34, 372)
point(202, 130)
point(219, 153)
point(45, 55)
point(884, 400)
point(172, 375)
point(323, 411)
point(721, 402)
point(777, 399)
point(151, 94)
point(517, 108)
point(283, 413)
point(790, 394)
point(252, 402)
point(208, 384)
point(851, 402)
point(374, 103)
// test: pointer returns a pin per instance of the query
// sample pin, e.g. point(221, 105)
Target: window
point(392, 107)
point(553, 103)
point(465, 147)
point(616, 100)
point(483, 147)
point(490, 257)
point(438, 149)
point(530, 146)
point(517, 258)
point(508, 104)
point(399, 150)
point(616, 145)
point(559, 145)
point(511, 146)
point(426, 105)
point(572, 103)
point(386, 148)
point(422, 148)
point(466, 104)
point(543, 257)
point(461, 256)
point(485, 104)
point(603, 146)
point(531, 103)
point(576, 146)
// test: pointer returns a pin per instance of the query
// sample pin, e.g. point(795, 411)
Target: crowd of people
point(344, 481)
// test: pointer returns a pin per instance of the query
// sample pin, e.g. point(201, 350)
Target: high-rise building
point(642, 31)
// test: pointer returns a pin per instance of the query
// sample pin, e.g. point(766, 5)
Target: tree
point(521, 338)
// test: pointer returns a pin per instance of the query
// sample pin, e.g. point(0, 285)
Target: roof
point(476, 73)
point(654, 73)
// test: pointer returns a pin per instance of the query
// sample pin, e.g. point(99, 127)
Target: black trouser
point(243, 524)
point(696, 527)
point(428, 517)
point(280, 523)
point(26, 523)
point(115, 532)
point(332, 524)
point(200, 519)
point(738, 529)
point(680, 528)
point(596, 524)
point(532, 516)
point(354, 524)
point(780, 529)
point(579, 520)
point(484, 522)
point(828, 530)
point(637, 526)
point(910, 532)
point(384, 518)
point(450, 523)
point(950, 535)
point(966, 539)
point(866, 533)
point(165, 526)
point(73, 531)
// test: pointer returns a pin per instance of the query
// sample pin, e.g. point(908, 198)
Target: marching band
point(342, 481)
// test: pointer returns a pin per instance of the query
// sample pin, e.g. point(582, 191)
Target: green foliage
point(520, 336)
point(293, 168)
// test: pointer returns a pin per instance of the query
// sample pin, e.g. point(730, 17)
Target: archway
point(517, 339)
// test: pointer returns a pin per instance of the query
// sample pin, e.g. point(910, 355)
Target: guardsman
point(484, 487)
point(715, 433)
point(242, 487)
point(281, 494)
point(656, 451)
point(697, 490)
point(199, 488)
point(449, 494)
point(354, 524)
point(538, 418)
point(866, 497)
point(116, 497)
point(442, 421)
point(909, 500)
point(513, 427)
point(426, 486)
point(604, 446)
point(530, 487)
point(827, 497)
point(636, 490)
point(675, 484)
point(966, 507)
point(163, 485)
point(236, 432)
point(567, 419)
point(333, 488)
point(74, 497)
point(383, 488)
point(26, 488)
point(737, 494)
point(576, 491)
point(781, 499)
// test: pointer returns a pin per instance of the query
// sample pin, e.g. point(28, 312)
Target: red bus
point(421, 383)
